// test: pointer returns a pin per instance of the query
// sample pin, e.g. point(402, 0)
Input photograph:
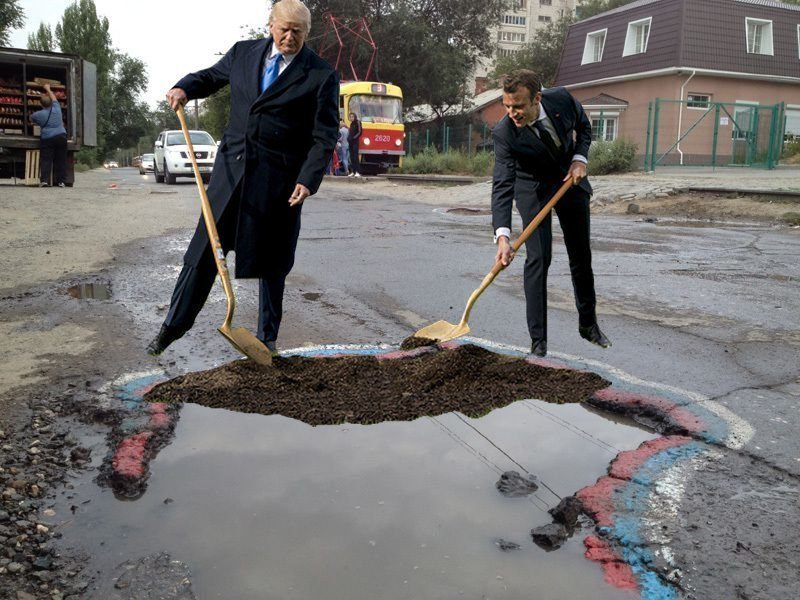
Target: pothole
point(93, 291)
point(468, 211)
point(372, 389)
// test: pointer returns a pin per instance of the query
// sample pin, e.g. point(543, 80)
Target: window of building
point(745, 114)
point(593, 47)
point(792, 130)
point(511, 36)
point(545, 19)
point(637, 36)
point(798, 41)
point(759, 36)
point(506, 52)
point(604, 128)
point(545, 2)
point(518, 5)
point(701, 101)
point(513, 20)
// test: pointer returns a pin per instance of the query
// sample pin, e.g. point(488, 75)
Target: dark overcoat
point(273, 141)
point(524, 168)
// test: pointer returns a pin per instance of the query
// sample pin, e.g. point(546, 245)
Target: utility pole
point(196, 122)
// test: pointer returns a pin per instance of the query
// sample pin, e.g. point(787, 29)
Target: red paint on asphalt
point(598, 499)
point(626, 463)
point(128, 460)
point(159, 418)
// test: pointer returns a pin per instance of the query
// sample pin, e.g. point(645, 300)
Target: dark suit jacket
point(273, 141)
point(524, 167)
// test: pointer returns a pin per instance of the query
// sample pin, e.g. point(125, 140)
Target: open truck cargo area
point(23, 74)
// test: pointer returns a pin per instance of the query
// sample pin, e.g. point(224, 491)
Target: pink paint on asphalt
point(128, 460)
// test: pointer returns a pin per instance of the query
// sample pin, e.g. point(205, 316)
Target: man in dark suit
point(541, 142)
point(284, 121)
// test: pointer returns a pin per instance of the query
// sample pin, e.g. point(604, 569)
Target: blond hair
point(293, 11)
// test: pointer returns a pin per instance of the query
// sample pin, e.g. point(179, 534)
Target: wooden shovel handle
point(526, 233)
point(211, 226)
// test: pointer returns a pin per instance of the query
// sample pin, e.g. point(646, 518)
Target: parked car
point(172, 159)
point(147, 163)
point(137, 160)
point(111, 164)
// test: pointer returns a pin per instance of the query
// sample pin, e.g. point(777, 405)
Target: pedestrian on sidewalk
point(541, 142)
point(353, 138)
point(52, 140)
point(272, 157)
point(342, 146)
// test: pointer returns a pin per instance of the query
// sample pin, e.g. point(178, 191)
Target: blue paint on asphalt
point(633, 503)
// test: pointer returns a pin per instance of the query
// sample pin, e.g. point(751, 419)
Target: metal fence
point(716, 134)
point(444, 138)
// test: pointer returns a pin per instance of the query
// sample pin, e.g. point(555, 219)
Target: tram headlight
point(366, 141)
point(398, 143)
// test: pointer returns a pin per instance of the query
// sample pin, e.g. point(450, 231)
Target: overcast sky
point(172, 38)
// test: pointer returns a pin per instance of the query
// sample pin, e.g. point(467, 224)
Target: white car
point(147, 163)
point(172, 158)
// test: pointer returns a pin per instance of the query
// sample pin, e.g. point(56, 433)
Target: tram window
point(377, 109)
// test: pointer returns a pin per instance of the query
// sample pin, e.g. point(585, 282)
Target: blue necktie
point(271, 72)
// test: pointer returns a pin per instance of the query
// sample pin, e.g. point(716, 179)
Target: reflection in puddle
point(260, 506)
point(94, 291)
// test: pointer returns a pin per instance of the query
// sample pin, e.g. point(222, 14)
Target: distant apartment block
point(518, 27)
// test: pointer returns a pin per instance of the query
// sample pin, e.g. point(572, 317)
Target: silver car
point(147, 163)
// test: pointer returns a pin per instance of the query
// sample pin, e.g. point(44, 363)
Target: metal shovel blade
point(248, 344)
point(442, 331)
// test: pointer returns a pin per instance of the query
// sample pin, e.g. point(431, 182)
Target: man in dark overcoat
point(283, 126)
point(542, 141)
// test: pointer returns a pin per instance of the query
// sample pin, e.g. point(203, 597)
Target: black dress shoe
point(593, 334)
point(165, 337)
point(539, 348)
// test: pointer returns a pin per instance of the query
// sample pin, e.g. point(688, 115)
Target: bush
point(81, 168)
point(618, 156)
point(430, 160)
point(790, 149)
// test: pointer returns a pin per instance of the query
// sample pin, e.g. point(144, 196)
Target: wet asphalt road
point(712, 309)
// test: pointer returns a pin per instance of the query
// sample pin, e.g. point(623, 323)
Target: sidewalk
point(668, 181)
point(608, 189)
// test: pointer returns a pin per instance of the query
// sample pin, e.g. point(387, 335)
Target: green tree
point(121, 117)
point(427, 47)
point(542, 54)
point(82, 32)
point(128, 118)
point(163, 117)
point(12, 16)
point(42, 40)
point(215, 112)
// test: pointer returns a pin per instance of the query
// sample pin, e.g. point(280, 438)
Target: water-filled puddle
point(93, 291)
point(266, 506)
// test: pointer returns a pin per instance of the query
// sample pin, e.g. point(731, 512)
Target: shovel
point(241, 339)
point(442, 331)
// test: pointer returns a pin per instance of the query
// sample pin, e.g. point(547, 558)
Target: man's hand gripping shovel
point(442, 331)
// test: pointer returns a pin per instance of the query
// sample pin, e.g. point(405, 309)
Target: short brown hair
point(45, 100)
point(511, 82)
